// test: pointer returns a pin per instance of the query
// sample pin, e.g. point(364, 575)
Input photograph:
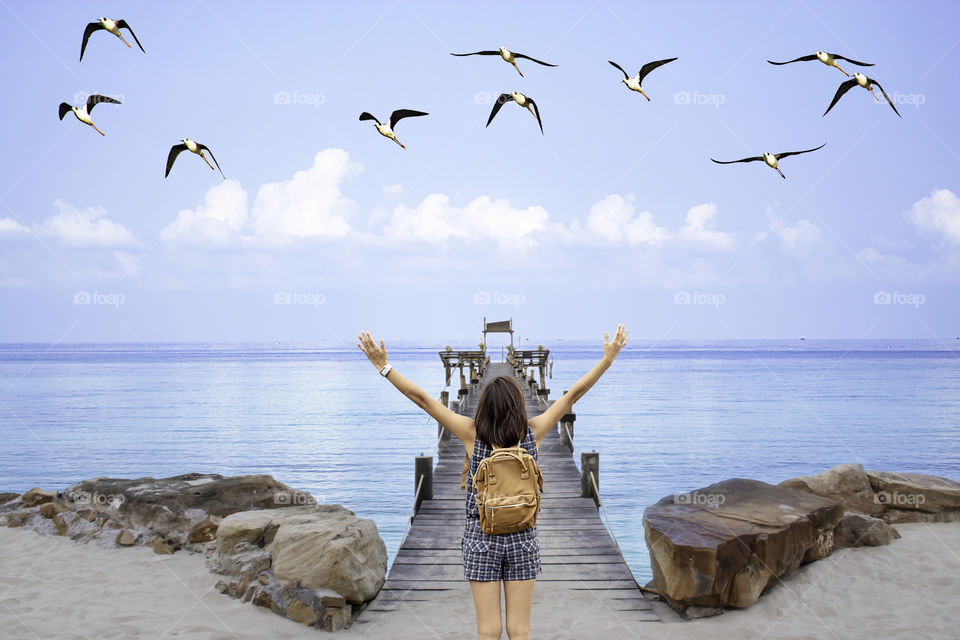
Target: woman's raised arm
point(542, 423)
point(460, 426)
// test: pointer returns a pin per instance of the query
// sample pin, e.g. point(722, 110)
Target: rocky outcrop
point(893, 497)
point(722, 545)
point(858, 530)
point(309, 564)
point(36, 497)
point(7, 496)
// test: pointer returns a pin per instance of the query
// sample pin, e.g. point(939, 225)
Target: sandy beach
point(55, 588)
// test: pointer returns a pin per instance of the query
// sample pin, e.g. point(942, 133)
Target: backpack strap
point(463, 476)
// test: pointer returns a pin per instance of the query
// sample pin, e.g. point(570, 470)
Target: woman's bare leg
point(486, 599)
point(519, 596)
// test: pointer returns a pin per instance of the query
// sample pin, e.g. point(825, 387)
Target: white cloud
point(939, 212)
point(699, 233)
point(613, 219)
point(217, 222)
point(309, 204)
point(85, 228)
point(9, 225)
point(436, 220)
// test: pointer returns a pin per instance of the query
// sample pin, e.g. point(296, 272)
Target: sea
point(667, 417)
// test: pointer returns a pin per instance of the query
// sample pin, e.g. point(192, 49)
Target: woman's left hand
point(376, 355)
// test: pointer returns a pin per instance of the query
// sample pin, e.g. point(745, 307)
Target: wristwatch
point(385, 370)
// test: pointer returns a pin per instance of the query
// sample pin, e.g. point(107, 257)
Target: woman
point(501, 421)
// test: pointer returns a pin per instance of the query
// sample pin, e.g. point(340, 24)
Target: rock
point(221, 586)
point(126, 538)
point(87, 514)
point(724, 544)
point(7, 496)
point(169, 507)
point(262, 598)
point(905, 496)
point(695, 611)
point(332, 550)
point(205, 530)
point(858, 530)
point(335, 618)
point(17, 518)
point(302, 612)
point(163, 546)
point(49, 509)
point(36, 497)
point(254, 527)
point(64, 521)
point(848, 484)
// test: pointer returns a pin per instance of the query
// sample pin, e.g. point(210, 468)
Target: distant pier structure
point(579, 553)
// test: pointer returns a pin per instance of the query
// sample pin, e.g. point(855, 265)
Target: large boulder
point(37, 496)
point(722, 545)
point(914, 497)
point(858, 530)
point(171, 507)
point(848, 484)
point(319, 547)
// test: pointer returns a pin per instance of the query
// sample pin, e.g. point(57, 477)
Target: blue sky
point(616, 214)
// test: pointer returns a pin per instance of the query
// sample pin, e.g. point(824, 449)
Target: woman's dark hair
point(501, 419)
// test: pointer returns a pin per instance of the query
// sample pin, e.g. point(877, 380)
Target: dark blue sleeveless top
point(480, 451)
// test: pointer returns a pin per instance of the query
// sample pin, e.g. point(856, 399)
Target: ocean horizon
point(669, 416)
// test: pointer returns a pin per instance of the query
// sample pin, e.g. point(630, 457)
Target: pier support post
point(566, 430)
point(423, 466)
point(589, 461)
point(463, 386)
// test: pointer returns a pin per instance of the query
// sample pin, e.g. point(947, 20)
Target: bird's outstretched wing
point(366, 115)
point(536, 112)
point(122, 24)
point(625, 75)
point(204, 147)
point(174, 152)
point(93, 26)
point(842, 89)
point(753, 159)
point(95, 99)
point(503, 99)
point(812, 56)
point(64, 109)
point(400, 114)
point(478, 53)
point(795, 153)
point(851, 60)
point(650, 66)
point(520, 55)
point(889, 101)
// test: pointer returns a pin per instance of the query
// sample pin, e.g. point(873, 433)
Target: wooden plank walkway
point(581, 562)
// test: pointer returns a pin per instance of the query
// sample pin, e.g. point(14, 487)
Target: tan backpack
point(506, 489)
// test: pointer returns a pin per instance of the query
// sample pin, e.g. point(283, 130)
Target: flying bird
point(83, 113)
point(634, 83)
point(112, 26)
point(520, 99)
point(829, 59)
point(194, 147)
point(866, 83)
point(386, 128)
point(771, 159)
point(507, 55)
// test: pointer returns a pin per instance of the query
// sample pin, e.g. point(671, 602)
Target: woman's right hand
point(612, 347)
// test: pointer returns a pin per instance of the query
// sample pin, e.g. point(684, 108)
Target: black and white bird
point(83, 113)
point(771, 159)
point(829, 59)
point(508, 56)
point(111, 26)
point(866, 83)
point(520, 99)
point(634, 83)
point(195, 147)
point(386, 128)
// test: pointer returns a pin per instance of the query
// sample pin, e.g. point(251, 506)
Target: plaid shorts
point(507, 556)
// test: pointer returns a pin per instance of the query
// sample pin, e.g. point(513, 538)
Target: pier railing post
point(589, 461)
point(443, 434)
point(423, 467)
point(566, 430)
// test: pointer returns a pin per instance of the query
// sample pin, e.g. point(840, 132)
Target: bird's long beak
point(838, 67)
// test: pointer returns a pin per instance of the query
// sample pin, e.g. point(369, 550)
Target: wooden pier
point(581, 560)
